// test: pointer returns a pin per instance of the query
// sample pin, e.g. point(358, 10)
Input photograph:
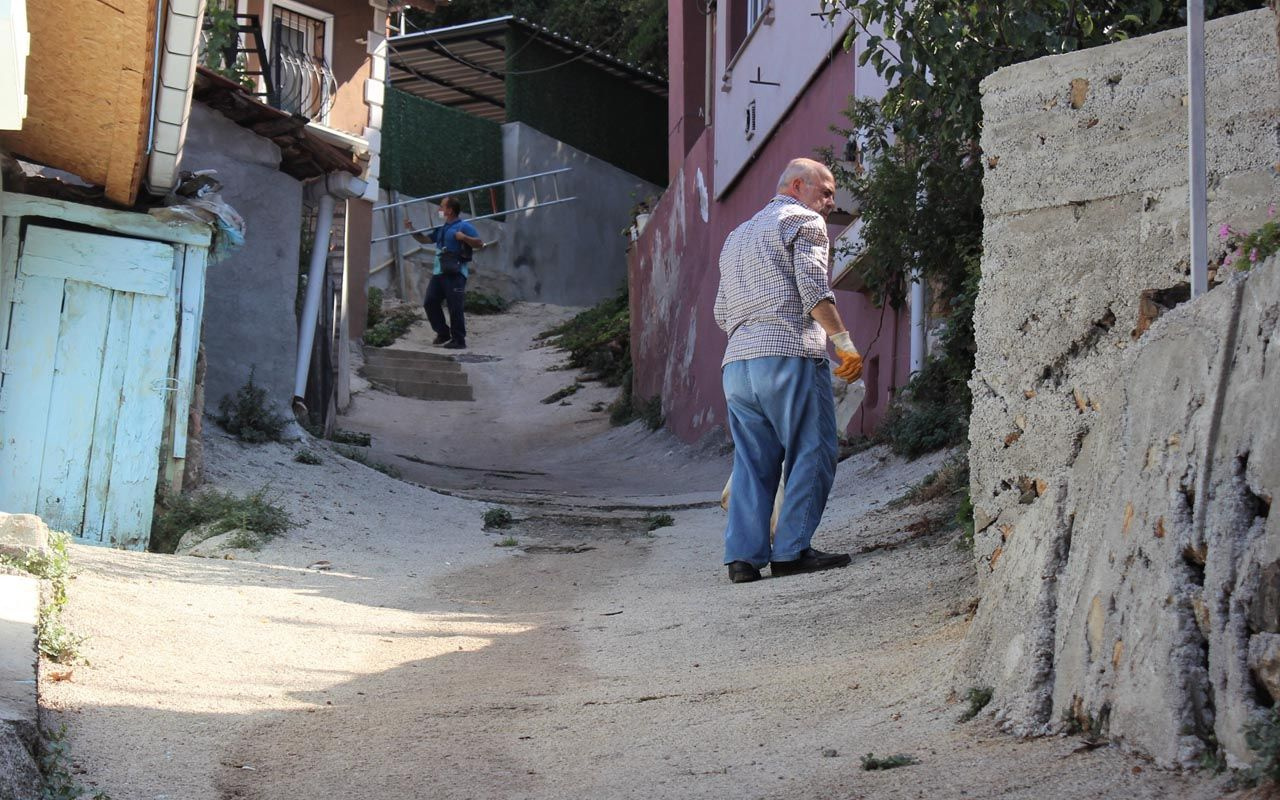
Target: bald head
point(805, 169)
point(811, 183)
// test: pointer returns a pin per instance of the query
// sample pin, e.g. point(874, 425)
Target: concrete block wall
point(249, 318)
point(1085, 211)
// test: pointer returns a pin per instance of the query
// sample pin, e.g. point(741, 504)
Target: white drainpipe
point(171, 103)
point(917, 325)
point(324, 192)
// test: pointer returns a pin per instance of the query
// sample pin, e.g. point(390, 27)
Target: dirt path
point(593, 660)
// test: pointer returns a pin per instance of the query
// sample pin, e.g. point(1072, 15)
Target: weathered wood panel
point(73, 404)
point(110, 397)
point(113, 262)
point(28, 382)
point(136, 463)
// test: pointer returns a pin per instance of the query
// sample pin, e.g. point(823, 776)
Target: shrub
point(393, 325)
point(1247, 249)
point(598, 340)
point(224, 510)
point(374, 314)
point(655, 521)
point(978, 697)
point(484, 303)
point(307, 457)
point(1262, 735)
point(498, 518)
point(249, 416)
point(870, 762)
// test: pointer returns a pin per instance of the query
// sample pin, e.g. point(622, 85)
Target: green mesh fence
point(428, 148)
point(583, 106)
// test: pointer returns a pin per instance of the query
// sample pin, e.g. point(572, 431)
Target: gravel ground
point(385, 647)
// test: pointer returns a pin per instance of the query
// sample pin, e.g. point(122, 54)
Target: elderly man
point(775, 302)
point(454, 240)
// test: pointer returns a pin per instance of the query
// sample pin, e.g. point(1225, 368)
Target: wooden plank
point(24, 403)
point(73, 402)
point(113, 262)
point(136, 462)
point(125, 222)
point(193, 273)
point(109, 399)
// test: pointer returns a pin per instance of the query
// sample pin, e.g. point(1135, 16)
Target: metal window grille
point(304, 81)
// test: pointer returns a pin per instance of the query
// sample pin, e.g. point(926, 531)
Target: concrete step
point(425, 390)
point(414, 372)
point(383, 354)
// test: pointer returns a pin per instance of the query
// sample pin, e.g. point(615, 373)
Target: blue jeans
point(451, 291)
point(783, 419)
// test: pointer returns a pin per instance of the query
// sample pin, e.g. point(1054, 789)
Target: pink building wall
point(676, 344)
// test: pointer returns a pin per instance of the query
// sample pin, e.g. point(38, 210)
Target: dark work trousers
point(450, 290)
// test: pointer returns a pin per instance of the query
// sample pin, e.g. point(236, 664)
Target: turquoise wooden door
point(86, 369)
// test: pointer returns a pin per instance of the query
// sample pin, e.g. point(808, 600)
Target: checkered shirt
point(773, 271)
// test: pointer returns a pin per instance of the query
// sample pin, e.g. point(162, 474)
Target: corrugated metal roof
point(464, 66)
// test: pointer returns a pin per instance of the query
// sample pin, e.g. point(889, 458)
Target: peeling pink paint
point(676, 344)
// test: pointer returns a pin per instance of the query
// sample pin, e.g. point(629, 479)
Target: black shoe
point(742, 572)
point(454, 344)
point(810, 560)
point(441, 339)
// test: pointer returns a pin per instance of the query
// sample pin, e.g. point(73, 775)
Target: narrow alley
point(391, 647)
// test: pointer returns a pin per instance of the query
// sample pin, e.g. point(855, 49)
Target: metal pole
point(917, 324)
point(1198, 180)
point(394, 224)
point(311, 305)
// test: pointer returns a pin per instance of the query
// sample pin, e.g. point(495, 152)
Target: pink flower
point(1271, 210)
point(1224, 232)
point(1253, 255)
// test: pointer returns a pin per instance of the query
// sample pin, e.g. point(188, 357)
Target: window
point(299, 50)
point(755, 10)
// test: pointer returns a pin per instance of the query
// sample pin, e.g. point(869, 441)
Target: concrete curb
point(19, 697)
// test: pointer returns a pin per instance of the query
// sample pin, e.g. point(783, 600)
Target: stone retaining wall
point(1122, 465)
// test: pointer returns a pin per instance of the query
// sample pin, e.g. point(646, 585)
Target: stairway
point(426, 376)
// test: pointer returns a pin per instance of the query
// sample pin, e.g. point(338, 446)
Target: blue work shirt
point(443, 238)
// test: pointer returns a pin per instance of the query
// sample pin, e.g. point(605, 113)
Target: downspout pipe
point(324, 193)
point(917, 324)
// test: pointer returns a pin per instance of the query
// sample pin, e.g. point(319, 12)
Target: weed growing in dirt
point(307, 457)
point(978, 697)
point(949, 480)
point(55, 640)
point(496, 518)
point(357, 438)
point(221, 512)
point(360, 457)
point(248, 415)
point(561, 394)
point(598, 340)
point(392, 326)
point(508, 541)
point(870, 762)
point(627, 408)
point(373, 309)
point(55, 769)
point(1262, 735)
point(655, 521)
point(484, 303)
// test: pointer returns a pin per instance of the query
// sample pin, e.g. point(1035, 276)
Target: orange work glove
point(850, 367)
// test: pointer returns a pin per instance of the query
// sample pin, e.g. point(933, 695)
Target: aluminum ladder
point(538, 186)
